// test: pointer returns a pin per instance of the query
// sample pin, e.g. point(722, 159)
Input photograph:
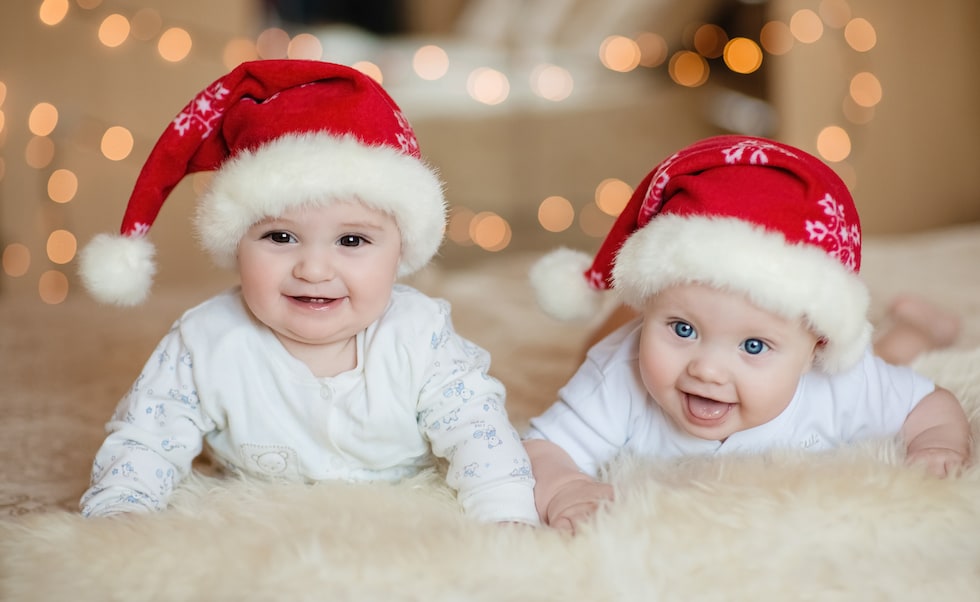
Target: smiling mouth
point(316, 303)
point(703, 410)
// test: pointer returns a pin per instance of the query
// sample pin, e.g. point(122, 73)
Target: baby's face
point(716, 363)
point(319, 275)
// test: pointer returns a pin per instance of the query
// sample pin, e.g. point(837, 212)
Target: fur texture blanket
point(854, 524)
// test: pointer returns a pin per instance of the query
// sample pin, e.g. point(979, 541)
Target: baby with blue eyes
point(740, 257)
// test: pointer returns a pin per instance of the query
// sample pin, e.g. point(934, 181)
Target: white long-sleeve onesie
point(221, 377)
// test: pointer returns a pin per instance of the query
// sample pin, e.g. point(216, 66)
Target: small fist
point(575, 502)
point(939, 461)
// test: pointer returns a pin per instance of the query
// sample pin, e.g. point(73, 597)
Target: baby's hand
point(576, 501)
point(940, 461)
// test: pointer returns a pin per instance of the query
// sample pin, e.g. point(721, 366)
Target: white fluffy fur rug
point(851, 525)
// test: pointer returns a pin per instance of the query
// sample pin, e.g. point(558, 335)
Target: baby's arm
point(937, 434)
point(563, 494)
point(154, 436)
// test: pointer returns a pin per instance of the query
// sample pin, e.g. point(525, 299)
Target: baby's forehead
point(719, 298)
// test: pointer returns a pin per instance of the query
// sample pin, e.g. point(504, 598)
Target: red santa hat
point(280, 134)
point(743, 214)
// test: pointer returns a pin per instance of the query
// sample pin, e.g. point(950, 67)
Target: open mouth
point(705, 411)
point(316, 303)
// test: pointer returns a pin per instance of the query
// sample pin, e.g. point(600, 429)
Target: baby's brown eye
point(351, 240)
point(280, 237)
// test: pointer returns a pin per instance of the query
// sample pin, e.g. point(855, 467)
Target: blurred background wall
point(540, 114)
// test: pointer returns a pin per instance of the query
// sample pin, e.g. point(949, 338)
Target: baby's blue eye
point(754, 346)
point(351, 240)
point(683, 329)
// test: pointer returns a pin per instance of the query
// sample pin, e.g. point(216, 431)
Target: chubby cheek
point(250, 277)
point(764, 400)
point(656, 370)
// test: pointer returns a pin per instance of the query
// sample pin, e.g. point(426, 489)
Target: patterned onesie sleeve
point(155, 434)
point(461, 412)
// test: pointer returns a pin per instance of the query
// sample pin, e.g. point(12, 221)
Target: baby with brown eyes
point(740, 257)
point(319, 365)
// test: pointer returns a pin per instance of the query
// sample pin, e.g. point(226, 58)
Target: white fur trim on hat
point(790, 280)
point(317, 168)
point(560, 287)
point(117, 269)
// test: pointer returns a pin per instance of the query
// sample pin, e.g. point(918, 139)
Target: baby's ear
point(817, 348)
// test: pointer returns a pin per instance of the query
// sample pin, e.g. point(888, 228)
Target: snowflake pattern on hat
point(843, 240)
point(406, 138)
point(757, 152)
point(654, 196)
point(203, 111)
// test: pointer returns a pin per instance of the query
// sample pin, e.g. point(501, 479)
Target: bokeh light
point(612, 195)
point(16, 260)
point(114, 30)
point(653, 49)
point(688, 68)
point(710, 40)
point(117, 143)
point(43, 119)
point(62, 186)
point(174, 45)
point(305, 46)
point(776, 38)
point(146, 24)
point(39, 152)
point(865, 89)
point(551, 82)
point(3, 92)
point(833, 144)
point(860, 35)
point(458, 229)
point(52, 12)
point(742, 55)
point(835, 13)
point(430, 62)
point(52, 287)
point(556, 214)
point(806, 26)
point(619, 53)
point(61, 246)
point(488, 86)
point(272, 43)
point(490, 231)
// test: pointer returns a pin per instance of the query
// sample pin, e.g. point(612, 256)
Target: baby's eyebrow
point(268, 221)
point(361, 225)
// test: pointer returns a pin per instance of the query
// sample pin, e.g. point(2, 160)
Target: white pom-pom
point(117, 269)
point(559, 283)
